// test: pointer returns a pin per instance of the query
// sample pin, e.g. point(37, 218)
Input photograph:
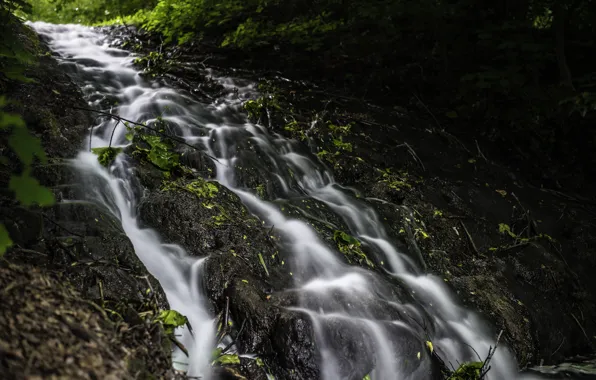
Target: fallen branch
point(179, 345)
point(226, 348)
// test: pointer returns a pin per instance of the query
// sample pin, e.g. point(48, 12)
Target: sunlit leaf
point(429, 344)
point(228, 359)
point(171, 319)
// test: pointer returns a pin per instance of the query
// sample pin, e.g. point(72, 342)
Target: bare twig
point(113, 131)
point(580, 326)
point(531, 223)
point(90, 138)
point(64, 228)
point(429, 111)
point(469, 237)
point(413, 153)
point(226, 314)
point(226, 348)
point(441, 129)
point(491, 352)
point(480, 152)
point(476, 352)
point(179, 345)
point(558, 348)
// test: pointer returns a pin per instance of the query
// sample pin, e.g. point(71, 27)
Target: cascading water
point(331, 293)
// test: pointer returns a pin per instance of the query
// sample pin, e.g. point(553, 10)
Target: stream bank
point(75, 301)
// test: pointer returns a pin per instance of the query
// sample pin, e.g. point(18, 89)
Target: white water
point(331, 292)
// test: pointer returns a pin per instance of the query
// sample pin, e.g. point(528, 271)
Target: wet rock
point(448, 207)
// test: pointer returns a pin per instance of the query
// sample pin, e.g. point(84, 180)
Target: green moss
point(202, 189)
point(395, 181)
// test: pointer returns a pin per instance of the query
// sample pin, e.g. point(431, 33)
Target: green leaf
point(505, 229)
point(26, 146)
point(5, 241)
point(9, 119)
point(263, 263)
point(228, 359)
point(172, 318)
point(429, 344)
point(160, 154)
point(28, 191)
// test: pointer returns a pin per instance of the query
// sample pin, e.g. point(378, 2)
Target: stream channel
point(330, 291)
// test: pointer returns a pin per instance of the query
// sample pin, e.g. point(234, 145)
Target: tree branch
point(121, 119)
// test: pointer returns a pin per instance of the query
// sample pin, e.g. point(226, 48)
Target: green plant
point(159, 153)
point(27, 148)
point(351, 248)
point(106, 155)
point(171, 319)
point(468, 371)
point(258, 108)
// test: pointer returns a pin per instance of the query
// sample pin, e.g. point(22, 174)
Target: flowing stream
point(330, 291)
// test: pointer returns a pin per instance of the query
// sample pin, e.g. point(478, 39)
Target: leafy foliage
point(106, 155)
point(26, 148)
point(86, 11)
point(228, 359)
point(171, 319)
point(468, 371)
point(351, 248)
point(158, 151)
